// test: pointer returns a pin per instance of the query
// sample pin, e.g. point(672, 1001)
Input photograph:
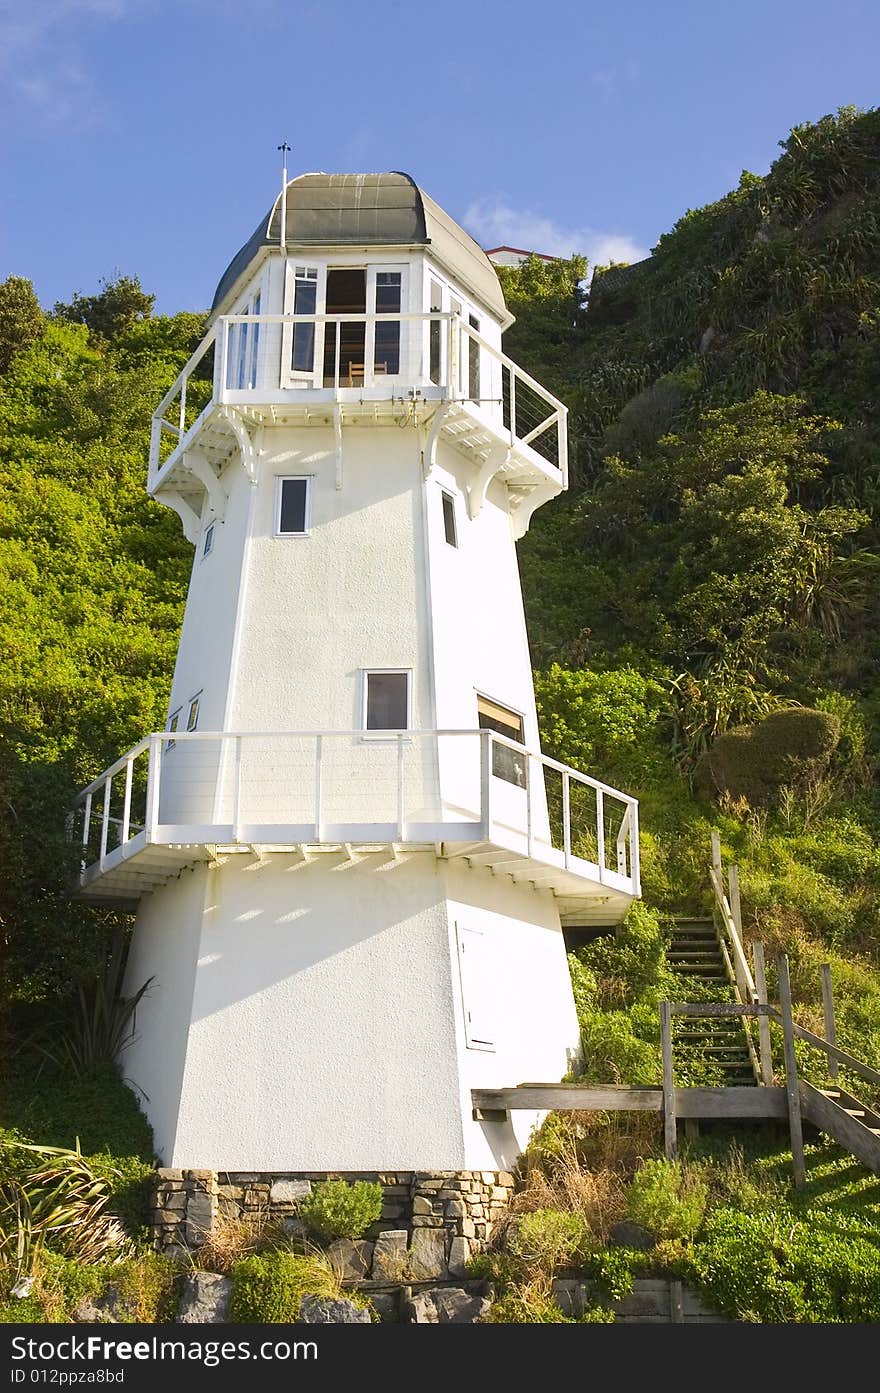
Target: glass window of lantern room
point(244, 347)
point(385, 295)
point(435, 334)
point(304, 289)
point(507, 764)
point(387, 698)
point(473, 360)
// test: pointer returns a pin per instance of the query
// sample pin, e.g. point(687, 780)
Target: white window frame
point(173, 725)
point(448, 495)
point(299, 377)
point(366, 674)
point(208, 540)
point(505, 749)
point(243, 343)
point(394, 268)
point(474, 1038)
point(194, 705)
point(280, 481)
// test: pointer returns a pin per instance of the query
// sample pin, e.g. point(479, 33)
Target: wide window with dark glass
point(292, 508)
point(507, 764)
point(386, 700)
point(386, 358)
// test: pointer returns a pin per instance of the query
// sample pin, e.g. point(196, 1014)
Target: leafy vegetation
point(268, 1287)
point(337, 1209)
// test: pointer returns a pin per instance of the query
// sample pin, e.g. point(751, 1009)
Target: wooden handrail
point(730, 928)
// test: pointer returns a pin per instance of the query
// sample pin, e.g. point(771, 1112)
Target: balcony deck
point(175, 800)
point(448, 381)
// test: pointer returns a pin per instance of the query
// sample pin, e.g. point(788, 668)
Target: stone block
point(386, 1306)
point(468, 1228)
point(390, 1260)
point(351, 1260)
point(459, 1252)
point(498, 1192)
point(422, 1205)
point(427, 1254)
point(455, 1209)
point(427, 1221)
point(201, 1177)
point(488, 1177)
point(319, 1310)
point(295, 1228)
point(205, 1299)
point(166, 1173)
point(448, 1306)
point(289, 1191)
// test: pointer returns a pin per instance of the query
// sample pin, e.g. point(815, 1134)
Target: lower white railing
point(313, 787)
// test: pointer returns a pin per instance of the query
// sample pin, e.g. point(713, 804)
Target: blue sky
point(140, 135)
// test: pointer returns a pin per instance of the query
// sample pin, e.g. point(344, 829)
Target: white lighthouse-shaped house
point(351, 862)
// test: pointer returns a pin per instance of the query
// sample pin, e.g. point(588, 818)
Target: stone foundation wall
point(431, 1222)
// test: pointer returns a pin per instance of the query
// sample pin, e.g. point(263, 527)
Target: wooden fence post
point(765, 1051)
point(791, 1076)
point(670, 1138)
point(830, 1022)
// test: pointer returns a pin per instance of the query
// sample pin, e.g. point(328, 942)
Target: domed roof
point(361, 210)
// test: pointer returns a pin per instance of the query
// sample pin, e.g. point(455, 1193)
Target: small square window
point(292, 508)
point(209, 541)
point(449, 525)
point(387, 700)
point(192, 719)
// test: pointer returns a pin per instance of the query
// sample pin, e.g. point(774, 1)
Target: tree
point(21, 319)
point(120, 303)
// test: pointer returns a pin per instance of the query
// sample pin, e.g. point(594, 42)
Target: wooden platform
point(746, 1102)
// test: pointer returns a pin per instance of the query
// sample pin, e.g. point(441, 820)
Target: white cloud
point(40, 68)
point(494, 223)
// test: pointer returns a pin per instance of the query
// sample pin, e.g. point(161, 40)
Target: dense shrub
point(666, 1200)
point(791, 748)
point(267, 1287)
point(335, 1209)
point(546, 1239)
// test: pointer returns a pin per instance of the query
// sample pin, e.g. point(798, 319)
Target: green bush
point(778, 1268)
point(335, 1209)
point(788, 748)
point(612, 1271)
point(521, 1306)
point(43, 1101)
point(666, 1200)
point(267, 1288)
point(546, 1239)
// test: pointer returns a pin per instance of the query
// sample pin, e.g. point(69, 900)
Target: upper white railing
point(272, 359)
point(313, 787)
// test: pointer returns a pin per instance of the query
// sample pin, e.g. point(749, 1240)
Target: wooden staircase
point(695, 955)
point(844, 1118)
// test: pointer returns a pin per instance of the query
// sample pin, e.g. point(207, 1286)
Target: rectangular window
point(386, 357)
point(435, 333)
point(209, 540)
point(455, 309)
point(305, 301)
point(292, 508)
point(477, 988)
point(473, 361)
point(173, 724)
point(449, 526)
point(255, 342)
point(386, 703)
point(507, 764)
point(192, 719)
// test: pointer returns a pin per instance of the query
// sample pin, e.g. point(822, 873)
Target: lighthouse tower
point(351, 862)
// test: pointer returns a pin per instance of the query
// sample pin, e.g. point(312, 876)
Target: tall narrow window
point(449, 525)
point(305, 301)
point(507, 764)
point(255, 343)
point(386, 701)
point(461, 342)
point(435, 333)
point(173, 724)
point(241, 352)
point(292, 508)
point(386, 357)
point(192, 719)
point(208, 546)
point(473, 361)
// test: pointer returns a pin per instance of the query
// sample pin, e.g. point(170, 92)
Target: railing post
point(670, 1139)
point(512, 375)
point(105, 820)
point(830, 1022)
point(221, 365)
point(562, 446)
point(736, 913)
point(486, 783)
point(236, 791)
point(87, 824)
point(764, 1048)
point(182, 416)
point(319, 788)
point(600, 832)
point(566, 817)
point(338, 353)
point(621, 843)
point(400, 792)
point(528, 804)
point(154, 774)
point(126, 803)
point(635, 864)
point(792, 1089)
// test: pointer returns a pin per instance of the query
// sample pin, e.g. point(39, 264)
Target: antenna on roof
point(282, 236)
